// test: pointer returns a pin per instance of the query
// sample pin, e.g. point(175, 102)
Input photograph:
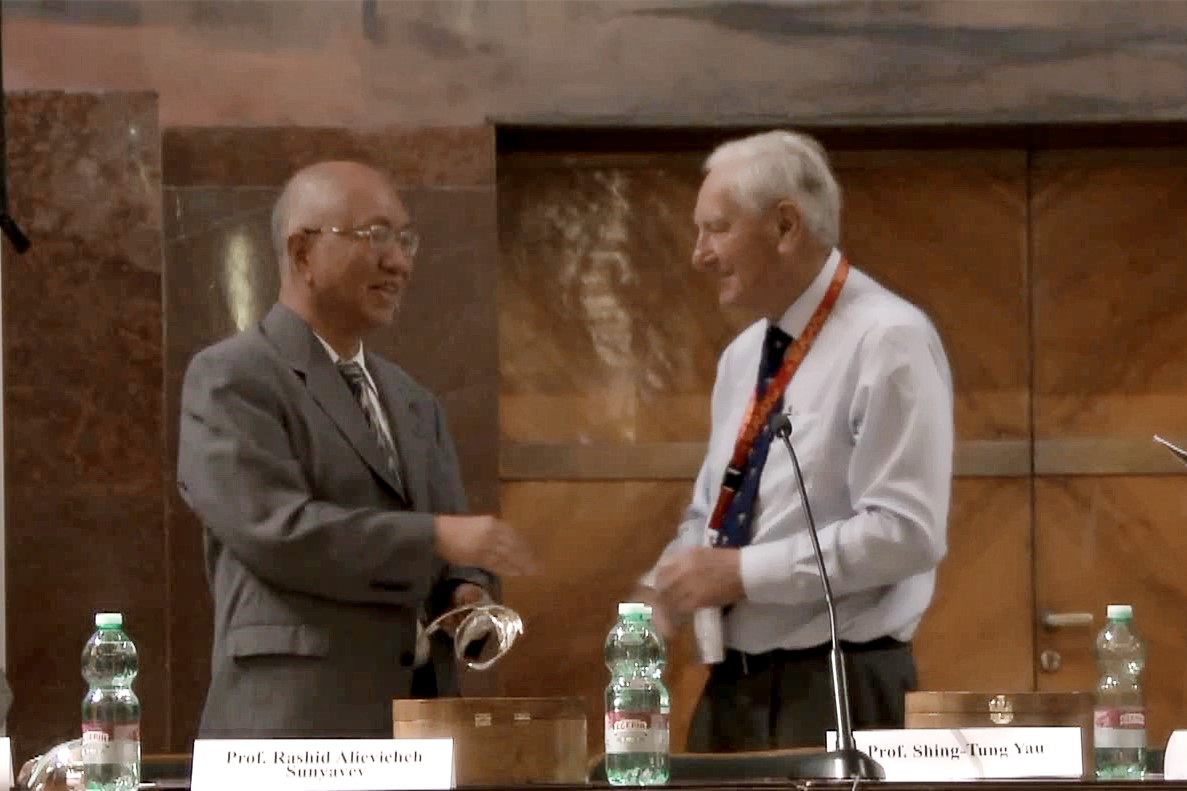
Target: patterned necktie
point(356, 377)
point(735, 528)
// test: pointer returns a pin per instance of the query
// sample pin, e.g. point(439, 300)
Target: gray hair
point(280, 221)
point(782, 165)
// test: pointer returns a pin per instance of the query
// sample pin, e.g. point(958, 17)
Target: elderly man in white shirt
point(865, 379)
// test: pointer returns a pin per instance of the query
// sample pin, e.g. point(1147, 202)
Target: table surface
point(806, 785)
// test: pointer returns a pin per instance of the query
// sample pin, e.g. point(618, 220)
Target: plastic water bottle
point(110, 710)
point(665, 698)
point(1119, 721)
point(637, 736)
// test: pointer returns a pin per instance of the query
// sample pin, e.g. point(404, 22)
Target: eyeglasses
point(380, 236)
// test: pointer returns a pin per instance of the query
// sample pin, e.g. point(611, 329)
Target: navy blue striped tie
point(735, 527)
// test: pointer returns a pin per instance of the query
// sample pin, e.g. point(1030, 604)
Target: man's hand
point(699, 577)
point(468, 593)
point(665, 621)
point(465, 593)
point(483, 541)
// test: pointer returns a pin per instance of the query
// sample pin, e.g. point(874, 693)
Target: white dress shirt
point(371, 392)
point(871, 408)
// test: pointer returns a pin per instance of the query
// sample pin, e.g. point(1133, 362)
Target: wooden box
point(1015, 709)
point(502, 740)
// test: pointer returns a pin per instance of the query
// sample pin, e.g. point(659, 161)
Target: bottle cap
point(109, 619)
point(1119, 612)
point(634, 608)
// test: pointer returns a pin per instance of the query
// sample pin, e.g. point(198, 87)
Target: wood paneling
point(1120, 540)
point(947, 230)
point(651, 461)
point(977, 635)
point(1110, 285)
point(543, 461)
point(604, 335)
point(1105, 456)
point(593, 540)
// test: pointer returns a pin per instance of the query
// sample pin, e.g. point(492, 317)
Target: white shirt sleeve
point(899, 478)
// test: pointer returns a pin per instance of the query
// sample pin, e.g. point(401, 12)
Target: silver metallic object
point(57, 769)
point(482, 633)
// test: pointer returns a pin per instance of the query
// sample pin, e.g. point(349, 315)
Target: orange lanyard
point(758, 414)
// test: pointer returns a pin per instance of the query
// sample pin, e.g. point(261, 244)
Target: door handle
point(1062, 620)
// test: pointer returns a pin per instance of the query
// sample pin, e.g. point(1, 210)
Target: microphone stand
point(845, 762)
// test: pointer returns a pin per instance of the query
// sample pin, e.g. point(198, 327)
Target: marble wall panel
point(84, 528)
point(218, 279)
point(434, 157)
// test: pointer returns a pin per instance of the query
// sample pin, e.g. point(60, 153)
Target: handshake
point(482, 631)
point(684, 582)
point(483, 541)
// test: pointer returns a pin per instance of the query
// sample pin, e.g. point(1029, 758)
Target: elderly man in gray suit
point(328, 485)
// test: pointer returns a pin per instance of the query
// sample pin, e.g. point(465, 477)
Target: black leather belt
point(743, 664)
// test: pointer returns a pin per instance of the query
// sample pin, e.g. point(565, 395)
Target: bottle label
point(1118, 728)
point(636, 732)
point(107, 743)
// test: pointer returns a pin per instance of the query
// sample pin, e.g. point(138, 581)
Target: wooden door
point(1110, 315)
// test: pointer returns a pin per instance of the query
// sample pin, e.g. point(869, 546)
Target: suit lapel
point(408, 429)
point(301, 348)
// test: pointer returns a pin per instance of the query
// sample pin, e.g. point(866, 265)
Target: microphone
point(846, 762)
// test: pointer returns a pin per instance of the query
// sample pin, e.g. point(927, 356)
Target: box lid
point(490, 710)
point(967, 702)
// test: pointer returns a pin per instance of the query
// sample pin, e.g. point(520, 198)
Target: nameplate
point(971, 753)
point(322, 764)
point(6, 780)
point(1174, 762)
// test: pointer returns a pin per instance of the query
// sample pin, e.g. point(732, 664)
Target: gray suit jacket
point(318, 561)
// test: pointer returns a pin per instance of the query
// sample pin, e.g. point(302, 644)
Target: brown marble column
point(83, 403)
